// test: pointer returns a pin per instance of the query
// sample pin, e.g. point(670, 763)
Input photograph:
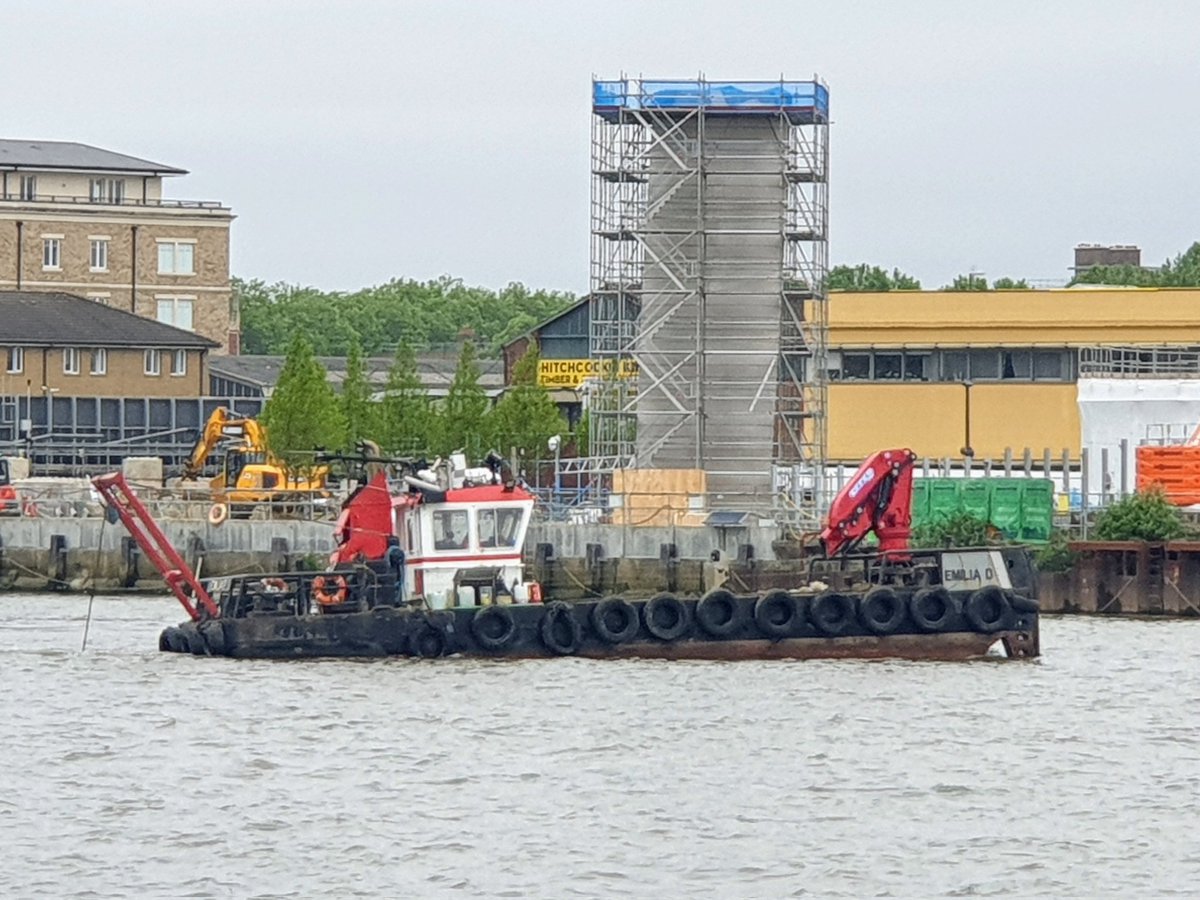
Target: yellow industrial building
point(900, 364)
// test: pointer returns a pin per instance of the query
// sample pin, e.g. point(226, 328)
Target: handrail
point(125, 201)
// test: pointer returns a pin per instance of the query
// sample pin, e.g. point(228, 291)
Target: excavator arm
point(220, 427)
point(877, 499)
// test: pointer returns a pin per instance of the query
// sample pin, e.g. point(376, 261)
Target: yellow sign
point(571, 373)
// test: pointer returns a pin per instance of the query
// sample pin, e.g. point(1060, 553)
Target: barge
point(429, 564)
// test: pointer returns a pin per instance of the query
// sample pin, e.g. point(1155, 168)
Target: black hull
point(807, 629)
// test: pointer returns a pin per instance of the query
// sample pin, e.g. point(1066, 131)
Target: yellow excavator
point(250, 473)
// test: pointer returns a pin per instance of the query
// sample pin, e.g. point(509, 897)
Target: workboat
point(429, 563)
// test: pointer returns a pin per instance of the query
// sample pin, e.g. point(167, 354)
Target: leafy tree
point(464, 423)
point(357, 408)
point(958, 530)
point(303, 412)
point(1009, 284)
point(863, 278)
point(526, 417)
point(423, 313)
point(407, 416)
point(1144, 516)
point(1056, 555)
point(966, 283)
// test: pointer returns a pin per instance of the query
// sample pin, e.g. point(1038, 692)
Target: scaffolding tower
point(709, 223)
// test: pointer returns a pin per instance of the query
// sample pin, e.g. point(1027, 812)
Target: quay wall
point(571, 561)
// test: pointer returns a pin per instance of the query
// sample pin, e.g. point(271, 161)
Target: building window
point(176, 311)
point(99, 258)
point(176, 257)
point(889, 366)
point(16, 360)
point(152, 362)
point(1049, 365)
point(99, 361)
point(179, 362)
point(52, 252)
point(106, 190)
point(70, 360)
point(28, 187)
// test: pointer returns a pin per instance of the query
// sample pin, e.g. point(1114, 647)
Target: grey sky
point(362, 141)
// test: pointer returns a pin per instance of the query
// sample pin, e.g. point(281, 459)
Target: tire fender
point(719, 614)
point(667, 617)
point(776, 614)
point(559, 629)
point(932, 609)
point(494, 627)
point(881, 611)
point(615, 620)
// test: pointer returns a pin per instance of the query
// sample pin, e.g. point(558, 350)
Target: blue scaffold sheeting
point(802, 101)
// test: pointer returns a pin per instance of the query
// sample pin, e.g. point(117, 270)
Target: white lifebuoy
point(218, 513)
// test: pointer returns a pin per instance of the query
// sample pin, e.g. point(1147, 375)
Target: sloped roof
point(436, 371)
point(70, 155)
point(53, 319)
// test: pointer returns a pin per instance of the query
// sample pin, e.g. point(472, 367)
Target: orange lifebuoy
point(329, 590)
point(218, 513)
point(274, 585)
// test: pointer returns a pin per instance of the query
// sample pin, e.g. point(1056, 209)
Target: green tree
point(966, 283)
point(379, 317)
point(357, 408)
point(464, 423)
point(406, 414)
point(864, 278)
point(958, 530)
point(1145, 516)
point(526, 417)
point(1010, 284)
point(303, 412)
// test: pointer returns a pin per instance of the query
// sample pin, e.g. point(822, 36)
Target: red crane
point(877, 498)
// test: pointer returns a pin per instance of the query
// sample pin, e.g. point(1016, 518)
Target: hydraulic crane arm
point(878, 498)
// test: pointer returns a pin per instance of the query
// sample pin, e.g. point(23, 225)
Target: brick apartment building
point(91, 222)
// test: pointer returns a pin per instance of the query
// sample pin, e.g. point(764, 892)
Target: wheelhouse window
point(499, 528)
point(450, 529)
point(176, 257)
point(16, 360)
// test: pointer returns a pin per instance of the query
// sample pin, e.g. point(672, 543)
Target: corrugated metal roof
point(70, 155)
point(35, 319)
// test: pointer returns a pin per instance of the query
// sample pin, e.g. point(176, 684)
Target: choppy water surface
point(127, 772)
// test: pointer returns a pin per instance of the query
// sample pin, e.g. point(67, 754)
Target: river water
point(128, 772)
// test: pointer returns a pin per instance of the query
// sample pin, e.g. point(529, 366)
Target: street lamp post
point(555, 444)
point(968, 451)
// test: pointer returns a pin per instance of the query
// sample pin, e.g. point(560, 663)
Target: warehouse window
point(952, 365)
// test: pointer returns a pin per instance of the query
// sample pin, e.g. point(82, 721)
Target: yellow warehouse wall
point(929, 418)
point(1054, 318)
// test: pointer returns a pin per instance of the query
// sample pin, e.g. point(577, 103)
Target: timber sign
point(571, 373)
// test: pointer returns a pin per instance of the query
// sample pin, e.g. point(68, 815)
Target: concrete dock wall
point(572, 561)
